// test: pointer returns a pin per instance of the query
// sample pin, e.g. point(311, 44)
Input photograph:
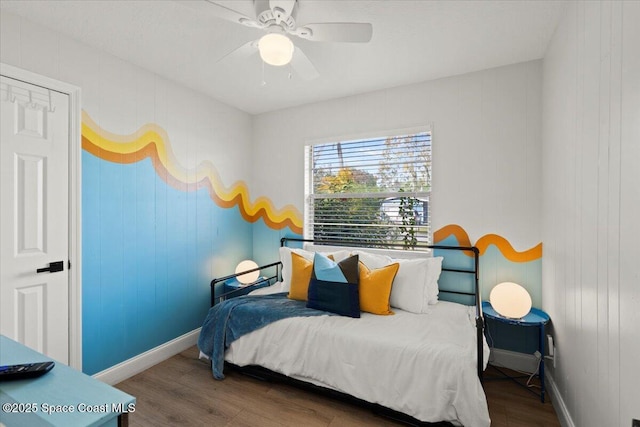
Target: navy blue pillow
point(334, 286)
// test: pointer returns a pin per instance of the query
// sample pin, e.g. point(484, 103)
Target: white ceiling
point(413, 41)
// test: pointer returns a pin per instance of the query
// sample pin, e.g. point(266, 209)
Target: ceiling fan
point(278, 19)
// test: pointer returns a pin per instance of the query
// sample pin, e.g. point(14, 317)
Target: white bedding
point(423, 365)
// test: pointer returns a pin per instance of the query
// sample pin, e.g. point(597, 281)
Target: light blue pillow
point(334, 286)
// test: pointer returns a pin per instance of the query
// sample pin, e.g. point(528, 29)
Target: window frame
point(309, 195)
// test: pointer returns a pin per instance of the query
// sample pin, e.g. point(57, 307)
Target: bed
point(424, 362)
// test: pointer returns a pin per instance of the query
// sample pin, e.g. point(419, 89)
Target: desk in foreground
point(62, 397)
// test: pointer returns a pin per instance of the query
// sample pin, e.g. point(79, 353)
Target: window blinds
point(374, 190)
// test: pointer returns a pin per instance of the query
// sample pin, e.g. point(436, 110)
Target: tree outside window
point(371, 190)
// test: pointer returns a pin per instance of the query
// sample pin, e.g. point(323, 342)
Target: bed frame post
point(479, 315)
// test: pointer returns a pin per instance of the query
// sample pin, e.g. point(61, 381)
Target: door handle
point(54, 267)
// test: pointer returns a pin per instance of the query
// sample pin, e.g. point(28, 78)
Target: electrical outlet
point(635, 423)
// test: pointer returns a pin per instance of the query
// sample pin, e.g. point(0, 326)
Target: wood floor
point(181, 392)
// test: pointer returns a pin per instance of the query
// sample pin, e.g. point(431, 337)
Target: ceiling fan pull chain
point(264, 82)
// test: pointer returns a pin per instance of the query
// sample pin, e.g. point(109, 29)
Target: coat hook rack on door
point(29, 99)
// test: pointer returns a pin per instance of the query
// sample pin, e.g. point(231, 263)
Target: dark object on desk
point(25, 370)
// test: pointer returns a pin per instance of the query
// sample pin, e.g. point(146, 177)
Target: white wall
point(591, 208)
point(122, 97)
point(487, 129)
point(486, 136)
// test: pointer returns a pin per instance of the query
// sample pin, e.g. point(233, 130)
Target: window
point(373, 190)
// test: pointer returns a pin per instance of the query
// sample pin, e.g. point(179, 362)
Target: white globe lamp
point(510, 300)
point(247, 278)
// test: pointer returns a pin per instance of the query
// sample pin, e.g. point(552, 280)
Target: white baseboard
point(558, 403)
point(143, 361)
point(510, 359)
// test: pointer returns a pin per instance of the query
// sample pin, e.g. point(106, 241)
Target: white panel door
point(34, 224)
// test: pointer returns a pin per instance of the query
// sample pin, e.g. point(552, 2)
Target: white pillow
point(285, 258)
point(433, 274)
point(338, 255)
point(416, 283)
point(267, 290)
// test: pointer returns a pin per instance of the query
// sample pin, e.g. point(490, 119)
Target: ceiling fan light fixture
point(275, 49)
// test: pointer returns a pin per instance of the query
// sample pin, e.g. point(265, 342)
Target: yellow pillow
point(375, 288)
point(301, 269)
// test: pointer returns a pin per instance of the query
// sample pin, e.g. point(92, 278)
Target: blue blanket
point(229, 320)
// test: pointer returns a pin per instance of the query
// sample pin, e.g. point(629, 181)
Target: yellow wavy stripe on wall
point(152, 141)
point(485, 241)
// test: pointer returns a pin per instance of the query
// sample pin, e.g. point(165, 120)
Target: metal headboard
point(277, 266)
point(475, 271)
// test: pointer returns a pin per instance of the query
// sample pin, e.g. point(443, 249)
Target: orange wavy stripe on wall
point(485, 241)
point(148, 142)
point(261, 212)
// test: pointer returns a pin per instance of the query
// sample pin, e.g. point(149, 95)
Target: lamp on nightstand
point(510, 300)
point(247, 278)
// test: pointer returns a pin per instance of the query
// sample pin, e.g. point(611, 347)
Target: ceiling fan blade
point(303, 66)
point(352, 32)
point(219, 11)
point(243, 52)
point(285, 5)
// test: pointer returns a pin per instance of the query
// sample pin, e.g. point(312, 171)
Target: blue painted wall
point(266, 242)
point(149, 253)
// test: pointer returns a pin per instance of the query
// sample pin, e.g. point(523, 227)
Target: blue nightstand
point(536, 319)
